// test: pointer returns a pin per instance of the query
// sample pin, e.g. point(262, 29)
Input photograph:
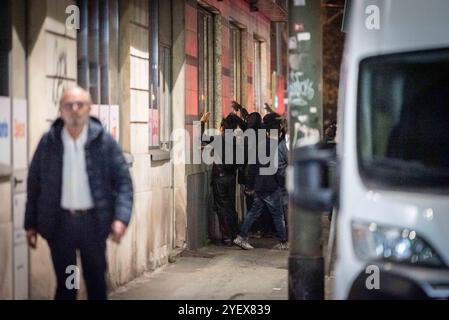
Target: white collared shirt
point(76, 193)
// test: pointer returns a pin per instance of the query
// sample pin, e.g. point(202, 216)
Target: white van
point(392, 193)
point(393, 153)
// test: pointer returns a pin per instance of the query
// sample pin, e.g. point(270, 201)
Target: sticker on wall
point(292, 43)
point(298, 27)
point(304, 36)
point(20, 134)
point(299, 3)
point(114, 121)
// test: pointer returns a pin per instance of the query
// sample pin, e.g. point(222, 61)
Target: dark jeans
point(284, 200)
point(264, 223)
point(77, 232)
point(223, 188)
point(272, 202)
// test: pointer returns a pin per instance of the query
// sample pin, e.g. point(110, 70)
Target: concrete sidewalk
point(216, 272)
point(223, 273)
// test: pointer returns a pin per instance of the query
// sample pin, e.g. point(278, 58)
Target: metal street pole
point(306, 262)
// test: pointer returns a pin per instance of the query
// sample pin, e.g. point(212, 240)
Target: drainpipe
point(82, 47)
point(104, 51)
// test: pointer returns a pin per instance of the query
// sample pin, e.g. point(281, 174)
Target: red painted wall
point(255, 23)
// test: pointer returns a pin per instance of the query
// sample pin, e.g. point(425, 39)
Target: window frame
point(236, 44)
point(160, 68)
point(369, 179)
point(206, 59)
point(257, 74)
point(164, 96)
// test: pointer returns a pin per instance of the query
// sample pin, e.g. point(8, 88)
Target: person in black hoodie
point(264, 225)
point(283, 163)
point(239, 111)
point(267, 188)
point(254, 123)
point(224, 177)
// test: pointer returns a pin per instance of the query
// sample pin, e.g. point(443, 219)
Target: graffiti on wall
point(58, 77)
point(302, 91)
point(58, 81)
point(304, 79)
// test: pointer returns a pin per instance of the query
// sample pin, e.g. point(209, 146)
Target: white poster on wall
point(114, 121)
point(5, 131)
point(95, 111)
point(20, 134)
point(104, 116)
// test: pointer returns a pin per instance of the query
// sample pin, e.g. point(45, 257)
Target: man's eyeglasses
point(71, 105)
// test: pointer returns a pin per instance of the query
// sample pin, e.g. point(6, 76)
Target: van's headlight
point(374, 242)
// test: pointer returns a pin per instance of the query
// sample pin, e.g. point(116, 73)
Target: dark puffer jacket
point(107, 171)
point(276, 154)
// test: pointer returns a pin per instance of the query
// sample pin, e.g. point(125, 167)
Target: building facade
point(152, 67)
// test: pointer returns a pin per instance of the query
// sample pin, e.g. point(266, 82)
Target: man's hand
point(250, 192)
point(205, 117)
point(32, 238)
point(118, 230)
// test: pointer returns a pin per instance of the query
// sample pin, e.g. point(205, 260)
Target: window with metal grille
point(94, 47)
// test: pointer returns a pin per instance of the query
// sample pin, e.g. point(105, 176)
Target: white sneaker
point(243, 243)
point(281, 246)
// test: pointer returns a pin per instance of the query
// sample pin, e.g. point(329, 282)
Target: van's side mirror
point(313, 177)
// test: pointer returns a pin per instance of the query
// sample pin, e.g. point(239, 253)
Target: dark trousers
point(223, 188)
point(273, 203)
point(77, 232)
point(284, 200)
point(264, 223)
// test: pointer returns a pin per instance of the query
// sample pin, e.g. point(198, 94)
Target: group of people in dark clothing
point(253, 153)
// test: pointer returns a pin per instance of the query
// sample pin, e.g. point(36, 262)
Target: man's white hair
point(73, 87)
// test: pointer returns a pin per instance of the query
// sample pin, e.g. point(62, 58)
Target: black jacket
point(282, 164)
point(221, 166)
point(107, 171)
point(267, 183)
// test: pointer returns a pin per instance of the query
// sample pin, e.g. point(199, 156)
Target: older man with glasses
point(79, 192)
